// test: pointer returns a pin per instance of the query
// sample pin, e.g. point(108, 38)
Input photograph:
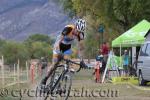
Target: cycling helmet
point(80, 25)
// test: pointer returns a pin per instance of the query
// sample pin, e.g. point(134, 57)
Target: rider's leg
point(54, 63)
point(67, 55)
point(72, 68)
point(51, 69)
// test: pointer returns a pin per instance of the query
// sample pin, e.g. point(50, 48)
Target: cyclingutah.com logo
point(82, 92)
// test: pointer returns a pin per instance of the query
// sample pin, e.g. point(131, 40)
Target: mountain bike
point(61, 80)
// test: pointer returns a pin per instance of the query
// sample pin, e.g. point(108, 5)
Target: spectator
point(98, 66)
point(126, 62)
point(105, 51)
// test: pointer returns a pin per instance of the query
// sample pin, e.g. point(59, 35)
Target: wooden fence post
point(2, 70)
point(18, 74)
point(14, 72)
point(27, 70)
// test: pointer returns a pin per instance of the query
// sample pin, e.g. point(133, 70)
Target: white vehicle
point(143, 64)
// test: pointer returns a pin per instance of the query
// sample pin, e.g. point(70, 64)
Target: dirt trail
point(83, 82)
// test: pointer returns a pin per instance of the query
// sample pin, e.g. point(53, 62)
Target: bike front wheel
point(66, 86)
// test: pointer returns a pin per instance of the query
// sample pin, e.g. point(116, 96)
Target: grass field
point(125, 91)
point(84, 88)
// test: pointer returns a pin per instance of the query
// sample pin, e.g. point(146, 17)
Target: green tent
point(134, 36)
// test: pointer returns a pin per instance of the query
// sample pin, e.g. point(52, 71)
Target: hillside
point(21, 18)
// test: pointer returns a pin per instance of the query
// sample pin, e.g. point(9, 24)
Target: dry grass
point(84, 80)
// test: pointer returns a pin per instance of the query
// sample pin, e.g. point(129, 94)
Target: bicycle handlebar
point(81, 64)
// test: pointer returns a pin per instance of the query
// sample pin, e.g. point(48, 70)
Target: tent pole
point(107, 65)
point(120, 56)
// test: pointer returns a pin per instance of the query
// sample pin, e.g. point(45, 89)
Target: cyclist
point(63, 44)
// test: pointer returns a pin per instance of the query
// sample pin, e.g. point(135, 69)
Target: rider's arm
point(80, 45)
point(66, 31)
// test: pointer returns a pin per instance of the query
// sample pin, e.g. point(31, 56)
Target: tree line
point(116, 15)
point(34, 47)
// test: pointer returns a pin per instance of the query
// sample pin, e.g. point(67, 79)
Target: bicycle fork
point(61, 76)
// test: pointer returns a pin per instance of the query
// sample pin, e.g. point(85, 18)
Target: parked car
point(143, 64)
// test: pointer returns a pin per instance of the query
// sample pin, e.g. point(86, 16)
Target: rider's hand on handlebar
point(82, 64)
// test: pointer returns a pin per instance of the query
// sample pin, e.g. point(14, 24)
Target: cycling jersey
point(66, 38)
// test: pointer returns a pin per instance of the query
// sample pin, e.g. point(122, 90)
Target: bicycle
point(61, 82)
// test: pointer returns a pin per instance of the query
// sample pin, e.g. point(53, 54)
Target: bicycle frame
point(60, 76)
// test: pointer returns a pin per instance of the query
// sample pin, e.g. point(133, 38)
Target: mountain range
point(22, 18)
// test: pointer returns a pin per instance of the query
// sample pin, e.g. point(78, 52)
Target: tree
point(40, 49)
point(39, 45)
point(13, 51)
point(38, 37)
point(116, 15)
point(2, 42)
point(119, 15)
